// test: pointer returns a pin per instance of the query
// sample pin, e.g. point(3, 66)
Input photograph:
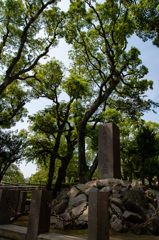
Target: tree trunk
point(65, 161)
point(83, 168)
point(52, 162)
point(51, 172)
point(1, 177)
point(143, 171)
point(61, 178)
point(150, 182)
point(93, 168)
point(158, 181)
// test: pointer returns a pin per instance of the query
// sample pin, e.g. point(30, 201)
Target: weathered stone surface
point(130, 201)
point(8, 197)
point(78, 209)
point(56, 223)
point(39, 217)
point(81, 187)
point(61, 206)
point(116, 224)
point(92, 189)
point(135, 201)
point(118, 203)
point(132, 217)
point(98, 218)
point(73, 192)
point(153, 227)
point(108, 151)
point(106, 189)
point(117, 209)
point(108, 182)
point(74, 202)
point(90, 184)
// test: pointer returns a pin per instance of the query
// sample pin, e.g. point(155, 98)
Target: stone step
point(15, 232)
point(56, 236)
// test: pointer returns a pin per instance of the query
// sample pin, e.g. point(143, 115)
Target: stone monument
point(108, 151)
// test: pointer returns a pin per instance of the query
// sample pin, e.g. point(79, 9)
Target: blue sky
point(149, 56)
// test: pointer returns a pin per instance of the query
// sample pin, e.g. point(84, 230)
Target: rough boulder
point(132, 202)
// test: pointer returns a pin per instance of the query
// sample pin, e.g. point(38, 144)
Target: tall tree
point(53, 124)
point(99, 36)
point(28, 30)
point(145, 149)
point(12, 148)
point(13, 175)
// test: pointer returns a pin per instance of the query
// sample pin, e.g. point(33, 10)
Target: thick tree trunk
point(83, 168)
point(150, 182)
point(65, 161)
point(61, 177)
point(1, 177)
point(51, 172)
point(143, 171)
point(52, 162)
point(158, 181)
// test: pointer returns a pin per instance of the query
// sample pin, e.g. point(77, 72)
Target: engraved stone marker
point(39, 217)
point(98, 216)
point(108, 151)
point(8, 197)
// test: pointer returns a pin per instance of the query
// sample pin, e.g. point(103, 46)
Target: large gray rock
point(92, 189)
point(73, 192)
point(76, 201)
point(131, 202)
point(116, 224)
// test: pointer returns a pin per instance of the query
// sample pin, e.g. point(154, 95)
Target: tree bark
point(83, 168)
point(52, 162)
point(65, 161)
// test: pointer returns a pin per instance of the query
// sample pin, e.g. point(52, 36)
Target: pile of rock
point(131, 201)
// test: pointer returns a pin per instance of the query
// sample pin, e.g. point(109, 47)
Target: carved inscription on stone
point(108, 151)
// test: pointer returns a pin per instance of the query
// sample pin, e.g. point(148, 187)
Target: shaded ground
point(23, 221)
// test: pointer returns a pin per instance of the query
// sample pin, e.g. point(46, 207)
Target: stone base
point(19, 233)
point(9, 231)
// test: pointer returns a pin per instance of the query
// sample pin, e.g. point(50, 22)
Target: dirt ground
point(23, 221)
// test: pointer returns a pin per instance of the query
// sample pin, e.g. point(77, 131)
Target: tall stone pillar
point(39, 217)
point(98, 216)
point(108, 151)
point(8, 204)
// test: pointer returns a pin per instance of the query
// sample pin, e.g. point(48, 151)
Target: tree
point(141, 153)
point(99, 36)
point(40, 177)
point(13, 175)
point(146, 18)
point(28, 30)
point(52, 128)
point(12, 147)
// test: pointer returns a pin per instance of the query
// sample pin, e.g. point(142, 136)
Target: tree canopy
point(28, 30)
point(105, 81)
point(12, 146)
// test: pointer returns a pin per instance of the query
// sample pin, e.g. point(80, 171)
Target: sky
point(149, 56)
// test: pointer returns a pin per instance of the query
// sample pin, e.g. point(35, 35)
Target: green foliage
point(39, 177)
point(12, 102)
point(146, 19)
point(12, 146)
point(76, 86)
point(140, 153)
point(106, 82)
point(13, 175)
point(28, 29)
